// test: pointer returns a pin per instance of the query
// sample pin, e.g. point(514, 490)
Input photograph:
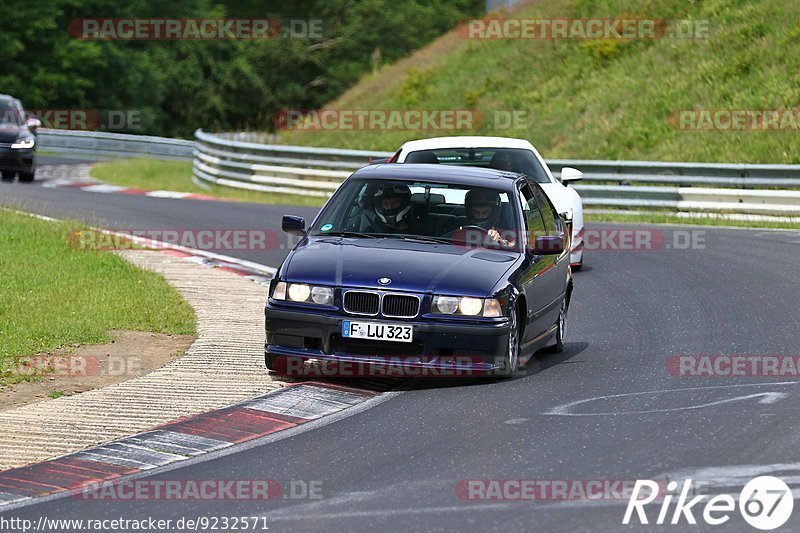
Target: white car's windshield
point(510, 159)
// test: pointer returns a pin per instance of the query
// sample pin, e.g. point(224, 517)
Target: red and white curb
point(77, 177)
point(118, 189)
point(280, 410)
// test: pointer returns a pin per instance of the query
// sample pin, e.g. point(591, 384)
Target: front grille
point(400, 305)
point(362, 303)
point(374, 348)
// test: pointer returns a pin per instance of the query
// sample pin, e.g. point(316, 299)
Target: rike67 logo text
point(765, 503)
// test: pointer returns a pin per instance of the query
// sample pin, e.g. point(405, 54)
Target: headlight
point(466, 306)
point(24, 143)
point(322, 295)
point(445, 305)
point(301, 292)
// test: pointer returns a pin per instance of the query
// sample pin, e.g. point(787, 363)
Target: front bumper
point(12, 160)
point(303, 341)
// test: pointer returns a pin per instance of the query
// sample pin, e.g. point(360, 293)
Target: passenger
point(482, 208)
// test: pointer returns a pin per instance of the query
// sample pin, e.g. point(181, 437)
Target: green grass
point(155, 174)
point(673, 219)
point(53, 296)
point(603, 99)
point(56, 394)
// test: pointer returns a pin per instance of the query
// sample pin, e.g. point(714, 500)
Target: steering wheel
point(462, 228)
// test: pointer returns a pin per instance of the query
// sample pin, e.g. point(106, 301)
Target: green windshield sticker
point(326, 227)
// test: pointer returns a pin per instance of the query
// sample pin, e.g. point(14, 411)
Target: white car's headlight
point(301, 292)
point(24, 143)
point(466, 306)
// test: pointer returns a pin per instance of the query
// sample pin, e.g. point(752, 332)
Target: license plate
point(377, 331)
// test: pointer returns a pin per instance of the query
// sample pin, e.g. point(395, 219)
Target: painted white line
point(167, 194)
point(767, 398)
point(173, 442)
point(6, 498)
point(139, 454)
point(103, 187)
point(246, 265)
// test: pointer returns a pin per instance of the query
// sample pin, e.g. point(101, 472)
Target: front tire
point(511, 359)
point(561, 326)
point(25, 177)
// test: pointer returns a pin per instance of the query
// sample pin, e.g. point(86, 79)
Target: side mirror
point(548, 245)
point(569, 174)
point(294, 225)
point(33, 124)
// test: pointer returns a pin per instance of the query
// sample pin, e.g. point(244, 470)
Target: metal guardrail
point(102, 145)
point(223, 160)
point(226, 160)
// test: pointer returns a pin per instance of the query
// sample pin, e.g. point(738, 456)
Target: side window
point(533, 215)
point(549, 215)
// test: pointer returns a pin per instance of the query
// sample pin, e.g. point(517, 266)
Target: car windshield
point(9, 114)
point(510, 159)
point(423, 211)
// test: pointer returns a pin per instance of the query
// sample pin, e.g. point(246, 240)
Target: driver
point(503, 161)
point(483, 210)
point(392, 203)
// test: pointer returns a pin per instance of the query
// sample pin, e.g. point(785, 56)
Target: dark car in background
point(17, 140)
point(426, 268)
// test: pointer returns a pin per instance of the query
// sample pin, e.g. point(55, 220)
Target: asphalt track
point(396, 465)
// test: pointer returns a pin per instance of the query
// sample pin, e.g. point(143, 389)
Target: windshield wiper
point(345, 234)
point(423, 238)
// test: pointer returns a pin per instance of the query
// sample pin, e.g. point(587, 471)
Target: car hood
point(10, 133)
point(412, 266)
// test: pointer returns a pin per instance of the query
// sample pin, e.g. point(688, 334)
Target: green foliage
point(608, 99)
point(179, 86)
point(415, 87)
point(602, 50)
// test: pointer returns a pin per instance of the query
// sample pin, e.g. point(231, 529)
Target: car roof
point(469, 176)
point(466, 141)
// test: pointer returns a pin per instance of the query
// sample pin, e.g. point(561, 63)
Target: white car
point(517, 155)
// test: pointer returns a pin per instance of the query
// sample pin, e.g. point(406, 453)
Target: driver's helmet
point(392, 202)
point(482, 207)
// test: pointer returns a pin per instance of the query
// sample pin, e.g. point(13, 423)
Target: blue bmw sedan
point(422, 269)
